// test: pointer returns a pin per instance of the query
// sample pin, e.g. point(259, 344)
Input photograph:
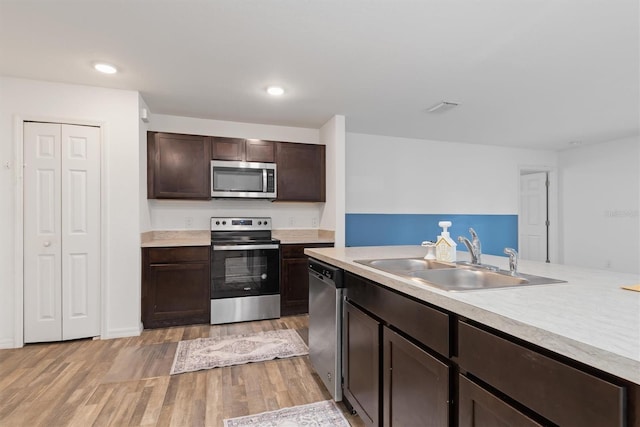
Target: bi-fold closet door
point(61, 231)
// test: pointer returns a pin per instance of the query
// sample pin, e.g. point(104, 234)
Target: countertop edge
point(587, 354)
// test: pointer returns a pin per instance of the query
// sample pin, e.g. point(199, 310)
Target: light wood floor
point(126, 382)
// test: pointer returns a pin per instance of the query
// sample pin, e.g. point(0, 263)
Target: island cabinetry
point(361, 382)
point(415, 384)
point(178, 166)
point(301, 172)
point(175, 286)
point(557, 392)
point(480, 408)
point(245, 150)
point(410, 347)
point(294, 278)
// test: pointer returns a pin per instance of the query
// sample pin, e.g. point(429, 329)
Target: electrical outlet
point(314, 222)
point(607, 264)
point(188, 222)
point(292, 221)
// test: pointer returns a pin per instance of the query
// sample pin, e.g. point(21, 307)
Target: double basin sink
point(455, 276)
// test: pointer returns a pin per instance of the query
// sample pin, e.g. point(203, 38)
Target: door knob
point(46, 244)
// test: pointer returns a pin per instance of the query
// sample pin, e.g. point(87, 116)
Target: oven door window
point(236, 273)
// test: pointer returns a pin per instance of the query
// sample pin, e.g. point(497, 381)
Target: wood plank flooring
point(126, 381)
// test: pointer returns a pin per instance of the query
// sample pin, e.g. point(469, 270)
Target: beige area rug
point(319, 414)
point(206, 353)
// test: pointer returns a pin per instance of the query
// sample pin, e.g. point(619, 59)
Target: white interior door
point(532, 221)
point(80, 231)
point(61, 232)
point(42, 235)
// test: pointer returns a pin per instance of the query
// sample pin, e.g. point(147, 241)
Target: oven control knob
point(263, 276)
point(224, 222)
point(217, 222)
point(260, 222)
point(265, 223)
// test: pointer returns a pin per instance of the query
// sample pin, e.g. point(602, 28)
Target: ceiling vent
point(442, 107)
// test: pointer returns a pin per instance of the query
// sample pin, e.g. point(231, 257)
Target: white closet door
point(533, 217)
point(61, 232)
point(80, 231)
point(42, 234)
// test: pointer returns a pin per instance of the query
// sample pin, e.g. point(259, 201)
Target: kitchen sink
point(455, 278)
point(404, 265)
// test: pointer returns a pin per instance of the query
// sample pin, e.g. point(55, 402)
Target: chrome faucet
point(513, 260)
point(474, 246)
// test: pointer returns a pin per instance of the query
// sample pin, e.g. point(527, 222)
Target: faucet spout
point(469, 245)
point(473, 245)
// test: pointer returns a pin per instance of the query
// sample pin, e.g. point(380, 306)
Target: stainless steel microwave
point(250, 180)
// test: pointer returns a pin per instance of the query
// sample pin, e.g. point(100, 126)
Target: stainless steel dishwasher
point(325, 324)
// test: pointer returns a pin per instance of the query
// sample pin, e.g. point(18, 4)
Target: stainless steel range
point(245, 270)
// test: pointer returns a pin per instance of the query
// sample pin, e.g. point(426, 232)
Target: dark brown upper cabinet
point(301, 172)
point(178, 166)
point(244, 150)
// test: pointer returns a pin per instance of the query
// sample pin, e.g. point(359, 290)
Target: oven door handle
point(243, 247)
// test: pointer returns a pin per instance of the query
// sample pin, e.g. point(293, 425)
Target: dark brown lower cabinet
point(294, 278)
point(415, 384)
point(361, 370)
point(175, 286)
point(479, 408)
point(564, 395)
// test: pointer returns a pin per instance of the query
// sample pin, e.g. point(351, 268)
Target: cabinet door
point(175, 293)
point(227, 148)
point(295, 286)
point(301, 172)
point(361, 368)
point(257, 150)
point(479, 408)
point(416, 385)
point(178, 166)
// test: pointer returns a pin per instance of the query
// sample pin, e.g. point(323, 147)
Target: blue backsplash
point(495, 231)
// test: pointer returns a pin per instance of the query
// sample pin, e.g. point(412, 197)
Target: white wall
point(332, 134)
point(600, 186)
point(145, 215)
point(117, 111)
point(400, 175)
point(180, 215)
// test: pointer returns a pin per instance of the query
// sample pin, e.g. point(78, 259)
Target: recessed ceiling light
point(105, 68)
point(275, 90)
point(443, 106)
point(575, 143)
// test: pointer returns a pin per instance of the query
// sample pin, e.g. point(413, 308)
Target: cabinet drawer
point(178, 254)
point(426, 324)
point(558, 392)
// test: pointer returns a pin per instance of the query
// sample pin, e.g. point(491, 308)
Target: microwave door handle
point(264, 180)
point(243, 247)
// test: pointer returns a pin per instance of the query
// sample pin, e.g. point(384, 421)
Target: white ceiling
point(527, 73)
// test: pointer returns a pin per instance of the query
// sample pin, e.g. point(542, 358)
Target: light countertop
point(158, 239)
point(590, 319)
point(302, 236)
point(169, 238)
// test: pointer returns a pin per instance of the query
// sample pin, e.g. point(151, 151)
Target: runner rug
point(207, 353)
point(319, 414)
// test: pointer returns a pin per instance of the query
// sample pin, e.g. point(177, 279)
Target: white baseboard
point(123, 333)
point(7, 343)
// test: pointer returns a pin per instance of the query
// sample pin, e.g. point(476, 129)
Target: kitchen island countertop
point(590, 319)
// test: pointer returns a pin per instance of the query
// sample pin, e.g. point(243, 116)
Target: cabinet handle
point(46, 244)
